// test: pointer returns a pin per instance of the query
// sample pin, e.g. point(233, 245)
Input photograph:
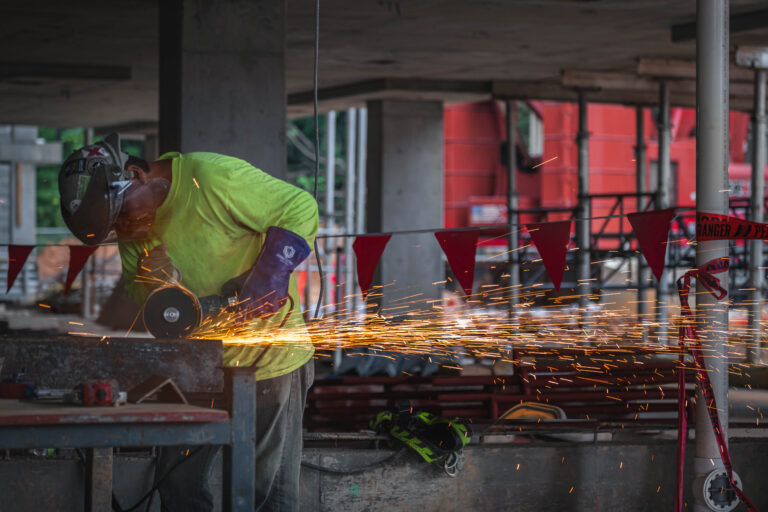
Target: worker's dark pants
point(280, 405)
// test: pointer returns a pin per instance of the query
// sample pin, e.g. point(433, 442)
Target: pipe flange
point(719, 495)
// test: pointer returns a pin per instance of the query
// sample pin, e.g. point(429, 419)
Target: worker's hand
point(156, 268)
point(265, 290)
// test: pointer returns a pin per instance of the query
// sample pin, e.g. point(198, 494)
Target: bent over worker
point(207, 218)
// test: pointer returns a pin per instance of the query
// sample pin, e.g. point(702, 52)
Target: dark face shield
point(92, 183)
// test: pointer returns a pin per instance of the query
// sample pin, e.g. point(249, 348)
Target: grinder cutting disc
point(171, 312)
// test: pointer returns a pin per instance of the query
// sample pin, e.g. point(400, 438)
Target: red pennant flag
point(368, 249)
point(78, 255)
point(552, 239)
point(460, 248)
point(17, 256)
point(652, 231)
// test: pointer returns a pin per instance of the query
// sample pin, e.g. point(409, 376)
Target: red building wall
point(474, 133)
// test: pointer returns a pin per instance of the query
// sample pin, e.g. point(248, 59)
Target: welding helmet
point(92, 185)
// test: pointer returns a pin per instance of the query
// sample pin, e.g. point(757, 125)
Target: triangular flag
point(368, 249)
point(652, 231)
point(78, 255)
point(17, 256)
point(460, 248)
point(552, 239)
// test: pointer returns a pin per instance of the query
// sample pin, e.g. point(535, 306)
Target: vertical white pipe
point(583, 222)
point(330, 166)
point(512, 206)
point(362, 143)
point(362, 189)
point(640, 181)
point(663, 200)
point(349, 211)
point(330, 200)
point(711, 197)
point(756, 215)
point(87, 274)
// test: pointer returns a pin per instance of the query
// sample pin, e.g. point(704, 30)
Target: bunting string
point(459, 244)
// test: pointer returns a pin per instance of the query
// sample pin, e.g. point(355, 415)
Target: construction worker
point(203, 219)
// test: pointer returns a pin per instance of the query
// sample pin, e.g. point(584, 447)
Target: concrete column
point(583, 222)
point(512, 205)
point(405, 192)
point(711, 197)
point(663, 200)
point(756, 273)
point(641, 166)
point(222, 79)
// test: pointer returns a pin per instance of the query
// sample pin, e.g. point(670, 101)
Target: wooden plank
point(18, 412)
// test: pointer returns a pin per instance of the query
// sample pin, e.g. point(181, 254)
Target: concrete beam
point(15, 70)
point(601, 80)
point(41, 154)
point(553, 91)
point(685, 69)
point(604, 87)
point(628, 82)
point(134, 127)
point(340, 97)
point(741, 22)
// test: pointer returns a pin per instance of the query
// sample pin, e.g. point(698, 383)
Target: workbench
point(27, 424)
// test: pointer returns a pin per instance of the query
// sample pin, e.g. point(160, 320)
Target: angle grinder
point(172, 311)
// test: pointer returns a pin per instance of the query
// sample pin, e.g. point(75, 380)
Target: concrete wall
point(405, 192)
point(566, 477)
point(627, 476)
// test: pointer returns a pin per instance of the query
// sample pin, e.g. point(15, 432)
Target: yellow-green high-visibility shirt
point(213, 222)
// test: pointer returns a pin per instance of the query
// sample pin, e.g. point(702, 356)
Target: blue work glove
point(265, 290)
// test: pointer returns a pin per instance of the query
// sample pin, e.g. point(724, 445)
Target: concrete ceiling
point(449, 49)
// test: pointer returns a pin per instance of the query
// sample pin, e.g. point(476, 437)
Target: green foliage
point(301, 167)
point(48, 203)
point(524, 121)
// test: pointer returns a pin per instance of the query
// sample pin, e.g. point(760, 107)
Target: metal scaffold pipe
point(349, 212)
point(330, 199)
point(712, 157)
point(663, 200)
point(330, 166)
point(512, 206)
point(583, 223)
point(756, 272)
point(362, 143)
point(641, 179)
